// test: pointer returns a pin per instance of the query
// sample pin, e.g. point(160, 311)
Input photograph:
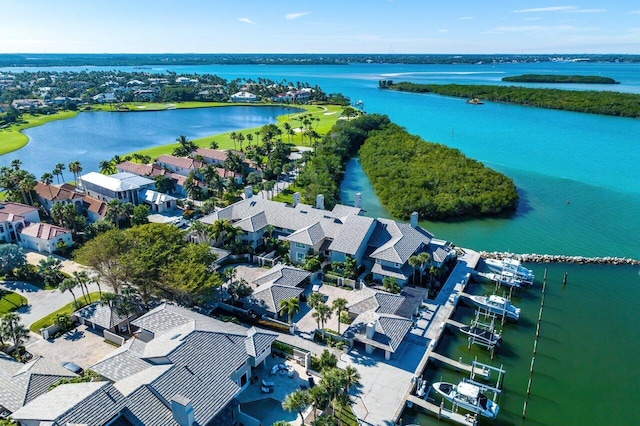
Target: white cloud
point(443, 30)
point(292, 16)
point(246, 20)
point(532, 19)
point(466, 18)
point(589, 10)
point(635, 12)
point(532, 28)
point(546, 9)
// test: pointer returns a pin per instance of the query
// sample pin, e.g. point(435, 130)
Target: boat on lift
point(496, 305)
point(513, 266)
point(467, 396)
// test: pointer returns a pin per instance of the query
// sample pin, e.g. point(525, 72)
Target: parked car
point(73, 367)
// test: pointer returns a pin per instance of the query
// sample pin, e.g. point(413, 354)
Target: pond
point(92, 137)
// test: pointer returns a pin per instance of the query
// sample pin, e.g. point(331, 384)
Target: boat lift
point(488, 327)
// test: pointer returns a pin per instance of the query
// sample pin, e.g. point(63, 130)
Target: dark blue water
point(91, 137)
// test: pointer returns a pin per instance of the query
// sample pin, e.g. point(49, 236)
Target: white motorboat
point(468, 396)
point(421, 388)
point(513, 266)
point(482, 335)
point(497, 305)
point(505, 278)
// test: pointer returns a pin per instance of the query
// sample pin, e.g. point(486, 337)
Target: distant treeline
point(410, 174)
point(593, 102)
point(407, 173)
point(48, 60)
point(549, 78)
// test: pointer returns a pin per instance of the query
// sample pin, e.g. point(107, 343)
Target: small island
point(589, 101)
point(556, 78)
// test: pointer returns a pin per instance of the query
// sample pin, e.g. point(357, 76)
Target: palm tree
point(107, 167)
point(249, 139)
point(351, 377)
point(296, 401)
point(338, 306)
point(424, 258)
point(240, 138)
point(233, 136)
point(15, 164)
point(47, 179)
point(290, 307)
point(322, 313)
point(414, 261)
point(314, 299)
point(13, 330)
point(114, 211)
point(68, 284)
point(76, 168)
point(82, 279)
point(319, 397)
point(58, 169)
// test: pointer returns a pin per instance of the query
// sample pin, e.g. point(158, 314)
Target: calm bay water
point(580, 188)
point(91, 137)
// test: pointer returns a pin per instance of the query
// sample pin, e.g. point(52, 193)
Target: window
point(300, 245)
point(243, 380)
point(300, 257)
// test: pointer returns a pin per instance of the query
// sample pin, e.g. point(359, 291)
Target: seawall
point(559, 258)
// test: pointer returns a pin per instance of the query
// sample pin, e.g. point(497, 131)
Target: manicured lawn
point(328, 115)
point(11, 139)
point(158, 106)
point(68, 309)
point(286, 195)
point(346, 416)
point(10, 301)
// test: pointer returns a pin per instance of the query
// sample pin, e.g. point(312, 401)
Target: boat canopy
point(468, 390)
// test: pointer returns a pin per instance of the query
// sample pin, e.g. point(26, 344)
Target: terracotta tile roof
point(9, 209)
point(135, 168)
point(94, 205)
point(183, 162)
point(44, 231)
point(213, 154)
point(56, 193)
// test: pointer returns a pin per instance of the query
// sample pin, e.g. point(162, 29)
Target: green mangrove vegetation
point(557, 78)
point(407, 173)
point(592, 101)
point(410, 174)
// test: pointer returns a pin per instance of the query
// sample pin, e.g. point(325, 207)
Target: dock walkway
point(441, 412)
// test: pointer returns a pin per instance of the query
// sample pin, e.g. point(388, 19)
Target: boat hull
point(510, 311)
point(449, 392)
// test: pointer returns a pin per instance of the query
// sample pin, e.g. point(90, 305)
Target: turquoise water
point(580, 187)
point(268, 411)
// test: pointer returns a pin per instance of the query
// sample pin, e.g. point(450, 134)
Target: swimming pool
point(267, 410)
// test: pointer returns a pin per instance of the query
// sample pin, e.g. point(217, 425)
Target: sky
point(320, 26)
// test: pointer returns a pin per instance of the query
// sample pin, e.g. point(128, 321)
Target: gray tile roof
point(352, 234)
point(98, 409)
point(283, 275)
point(389, 330)
point(311, 235)
point(268, 296)
point(402, 273)
point(258, 341)
point(377, 301)
point(145, 408)
point(397, 241)
point(120, 365)
point(21, 383)
point(439, 252)
point(101, 315)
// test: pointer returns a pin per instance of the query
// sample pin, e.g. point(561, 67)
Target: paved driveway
point(82, 346)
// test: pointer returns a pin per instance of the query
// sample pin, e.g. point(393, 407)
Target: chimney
point(248, 192)
point(414, 219)
point(371, 329)
point(357, 202)
point(182, 410)
point(320, 201)
point(296, 198)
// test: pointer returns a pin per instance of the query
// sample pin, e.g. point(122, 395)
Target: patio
point(280, 385)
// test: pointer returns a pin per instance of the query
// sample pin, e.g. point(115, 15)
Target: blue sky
point(320, 26)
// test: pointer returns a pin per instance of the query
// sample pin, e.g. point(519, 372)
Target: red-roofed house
point(44, 237)
point(96, 209)
point(180, 165)
point(210, 156)
point(13, 218)
point(49, 195)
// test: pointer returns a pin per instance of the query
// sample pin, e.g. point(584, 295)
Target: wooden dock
point(455, 323)
point(441, 412)
point(460, 365)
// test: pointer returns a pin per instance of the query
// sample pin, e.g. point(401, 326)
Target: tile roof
point(21, 383)
point(135, 168)
point(283, 275)
point(94, 205)
point(44, 231)
point(56, 193)
point(212, 154)
point(389, 330)
point(258, 341)
point(269, 296)
point(15, 209)
point(369, 299)
point(397, 241)
point(182, 162)
point(120, 365)
point(352, 234)
point(403, 273)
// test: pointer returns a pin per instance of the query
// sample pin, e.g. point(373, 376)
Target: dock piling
point(564, 280)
